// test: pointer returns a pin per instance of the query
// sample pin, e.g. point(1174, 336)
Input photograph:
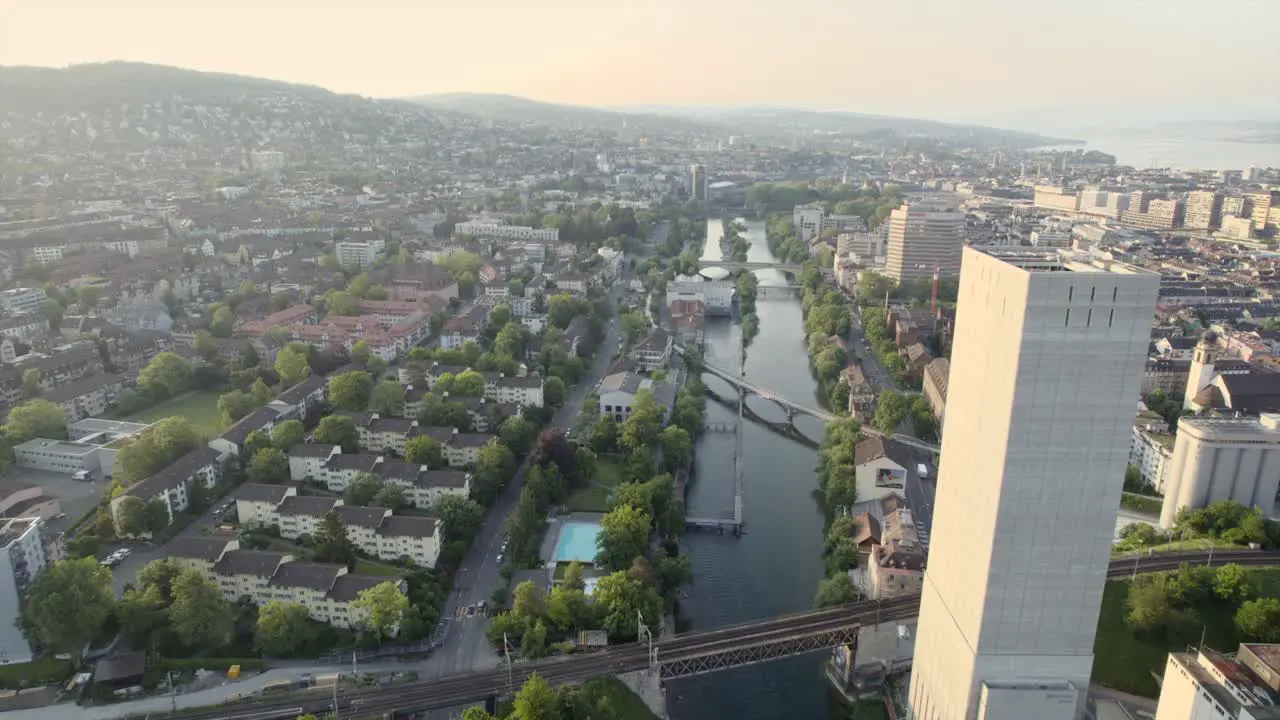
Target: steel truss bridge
point(685, 655)
point(794, 408)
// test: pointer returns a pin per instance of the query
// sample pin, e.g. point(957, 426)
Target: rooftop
point(1059, 261)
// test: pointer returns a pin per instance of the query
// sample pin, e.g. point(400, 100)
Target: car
point(500, 556)
point(124, 553)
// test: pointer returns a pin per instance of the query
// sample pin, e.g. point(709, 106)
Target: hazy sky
point(946, 59)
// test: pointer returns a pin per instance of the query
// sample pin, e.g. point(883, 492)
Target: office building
point(1223, 459)
point(698, 181)
point(1208, 685)
point(924, 237)
point(1046, 366)
point(1156, 215)
point(22, 300)
point(23, 553)
point(1056, 198)
point(359, 254)
point(1203, 210)
point(266, 161)
point(808, 221)
point(512, 233)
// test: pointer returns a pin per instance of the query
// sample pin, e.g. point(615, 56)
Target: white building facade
point(1047, 361)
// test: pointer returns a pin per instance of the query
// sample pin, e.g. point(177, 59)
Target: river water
point(776, 566)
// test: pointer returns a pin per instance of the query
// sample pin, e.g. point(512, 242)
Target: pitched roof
point(360, 462)
point(307, 505)
point(311, 450)
point(442, 478)
point(366, 517)
point(208, 549)
point(400, 470)
point(874, 448)
point(256, 420)
point(176, 473)
point(317, 576)
point(348, 587)
point(408, 526)
point(261, 492)
point(299, 392)
point(251, 562)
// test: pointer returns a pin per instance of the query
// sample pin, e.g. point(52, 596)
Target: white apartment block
point(1208, 685)
point(374, 531)
point(924, 237)
point(1048, 357)
point(202, 466)
point(1151, 450)
point(48, 254)
point(1056, 198)
point(514, 233)
point(22, 554)
point(327, 591)
point(716, 295)
point(22, 300)
point(808, 221)
point(525, 390)
point(334, 470)
point(267, 161)
point(1223, 459)
point(352, 254)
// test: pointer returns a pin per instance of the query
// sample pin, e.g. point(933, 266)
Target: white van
point(922, 470)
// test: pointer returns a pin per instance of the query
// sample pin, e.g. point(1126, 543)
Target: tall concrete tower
point(1045, 369)
point(925, 236)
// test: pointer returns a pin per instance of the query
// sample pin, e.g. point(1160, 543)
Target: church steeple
point(1202, 372)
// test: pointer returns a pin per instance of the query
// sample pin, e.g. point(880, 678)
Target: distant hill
point(510, 108)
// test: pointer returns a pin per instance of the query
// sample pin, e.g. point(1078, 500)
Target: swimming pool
point(577, 541)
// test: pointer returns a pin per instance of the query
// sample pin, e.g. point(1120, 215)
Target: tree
point(260, 393)
point(1148, 608)
point(534, 643)
point(624, 535)
point(200, 618)
point(1259, 620)
point(1231, 583)
point(165, 376)
point(154, 450)
point(460, 517)
point(424, 450)
point(890, 410)
point(287, 434)
point(469, 384)
point(640, 429)
point(338, 430)
point(30, 383)
point(385, 606)
point(390, 496)
point(835, 590)
point(536, 700)
point(332, 543)
point(364, 486)
point(52, 312)
point(234, 405)
point(561, 309)
point(341, 302)
point(292, 366)
point(492, 472)
point(527, 601)
point(511, 339)
point(517, 434)
point(360, 353)
point(604, 437)
point(388, 397)
point(131, 517)
point(677, 446)
point(67, 604)
point(622, 600)
point(351, 390)
point(284, 629)
point(553, 391)
point(35, 419)
point(270, 466)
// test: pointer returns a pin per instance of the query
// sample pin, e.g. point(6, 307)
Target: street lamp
point(644, 630)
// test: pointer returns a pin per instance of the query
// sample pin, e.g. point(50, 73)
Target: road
point(464, 647)
point(467, 688)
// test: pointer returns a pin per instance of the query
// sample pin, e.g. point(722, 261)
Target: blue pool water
point(577, 541)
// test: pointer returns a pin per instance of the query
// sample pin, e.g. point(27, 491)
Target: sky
point(1020, 62)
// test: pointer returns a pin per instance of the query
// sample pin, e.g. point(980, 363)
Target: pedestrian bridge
point(793, 408)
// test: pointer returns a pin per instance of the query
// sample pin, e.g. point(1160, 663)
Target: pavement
point(464, 646)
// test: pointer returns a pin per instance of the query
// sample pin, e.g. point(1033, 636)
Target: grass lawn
point(41, 671)
point(198, 407)
point(1145, 504)
point(368, 567)
point(612, 694)
point(595, 497)
point(1189, 545)
point(1126, 662)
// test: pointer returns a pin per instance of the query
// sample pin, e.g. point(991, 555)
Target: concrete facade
point(924, 236)
point(1223, 459)
point(1046, 366)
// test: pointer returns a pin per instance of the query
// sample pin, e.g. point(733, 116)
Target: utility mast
point(933, 300)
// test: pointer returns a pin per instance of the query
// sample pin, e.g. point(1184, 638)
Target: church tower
point(1201, 373)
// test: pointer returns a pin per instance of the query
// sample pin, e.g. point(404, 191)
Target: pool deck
point(552, 536)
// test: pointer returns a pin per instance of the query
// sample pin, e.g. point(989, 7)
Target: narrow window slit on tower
point(1093, 293)
point(1111, 317)
point(1088, 320)
point(1067, 321)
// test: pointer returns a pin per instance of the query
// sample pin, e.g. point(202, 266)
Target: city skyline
point(642, 55)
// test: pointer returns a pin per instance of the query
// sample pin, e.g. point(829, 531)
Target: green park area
point(1129, 659)
point(198, 407)
point(595, 497)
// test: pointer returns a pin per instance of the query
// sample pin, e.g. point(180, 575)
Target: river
point(776, 566)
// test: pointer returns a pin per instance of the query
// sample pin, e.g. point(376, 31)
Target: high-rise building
point(24, 551)
point(698, 181)
point(1203, 210)
point(1046, 366)
point(925, 236)
point(808, 221)
point(1260, 205)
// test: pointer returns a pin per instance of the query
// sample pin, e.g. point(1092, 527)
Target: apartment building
point(1056, 198)
point(1259, 205)
point(924, 237)
point(266, 161)
point(24, 551)
point(1208, 685)
point(87, 397)
point(808, 221)
point(698, 181)
point(936, 374)
point(355, 254)
point(653, 352)
point(1224, 458)
point(327, 591)
point(513, 233)
point(526, 391)
point(25, 327)
point(171, 485)
point(1151, 449)
point(464, 449)
point(373, 530)
point(895, 566)
point(335, 470)
point(1203, 210)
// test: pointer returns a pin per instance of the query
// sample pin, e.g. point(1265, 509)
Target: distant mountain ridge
point(513, 108)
